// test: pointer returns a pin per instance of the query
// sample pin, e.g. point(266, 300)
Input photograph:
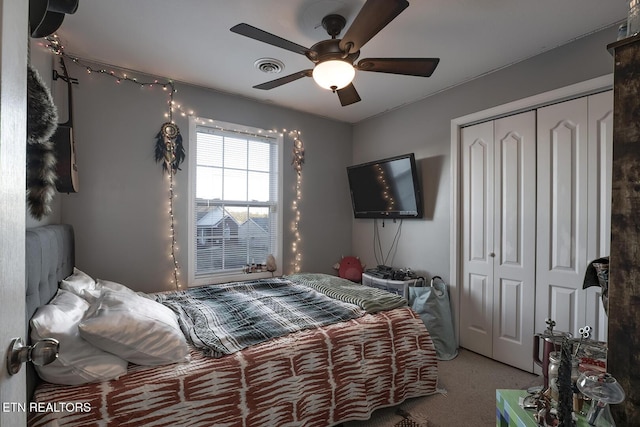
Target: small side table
point(510, 414)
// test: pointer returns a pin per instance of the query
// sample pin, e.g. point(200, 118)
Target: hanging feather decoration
point(169, 148)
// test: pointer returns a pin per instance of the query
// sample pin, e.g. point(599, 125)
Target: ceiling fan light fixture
point(333, 74)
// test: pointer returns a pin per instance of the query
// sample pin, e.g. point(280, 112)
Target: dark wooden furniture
point(623, 359)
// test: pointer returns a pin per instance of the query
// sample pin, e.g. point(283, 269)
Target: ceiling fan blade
point(422, 67)
point(373, 17)
point(348, 95)
point(284, 80)
point(262, 36)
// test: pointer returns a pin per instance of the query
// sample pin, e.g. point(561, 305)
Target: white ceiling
point(189, 41)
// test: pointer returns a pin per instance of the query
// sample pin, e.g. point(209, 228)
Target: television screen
point(387, 188)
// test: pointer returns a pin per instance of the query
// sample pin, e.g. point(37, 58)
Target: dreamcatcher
point(169, 148)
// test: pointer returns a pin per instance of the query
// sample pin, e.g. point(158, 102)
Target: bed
point(320, 376)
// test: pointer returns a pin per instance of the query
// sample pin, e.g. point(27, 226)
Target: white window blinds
point(236, 200)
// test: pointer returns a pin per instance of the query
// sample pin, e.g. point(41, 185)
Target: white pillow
point(78, 361)
point(78, 282)
point(113, 286)
point(92, 295)
point(134, 328)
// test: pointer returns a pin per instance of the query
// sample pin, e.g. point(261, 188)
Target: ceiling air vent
point(269, 65)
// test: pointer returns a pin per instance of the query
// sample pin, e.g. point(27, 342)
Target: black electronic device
point(386, 188)
point(397, 275)
point(375, 272)
point(402, 274)
point(389, 273)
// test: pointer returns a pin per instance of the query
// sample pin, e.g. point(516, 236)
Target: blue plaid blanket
point(223, 319)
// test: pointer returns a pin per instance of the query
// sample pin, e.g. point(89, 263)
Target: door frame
point(14, 39)
point(589, 87)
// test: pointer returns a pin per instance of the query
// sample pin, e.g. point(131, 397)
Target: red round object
point(350, 269)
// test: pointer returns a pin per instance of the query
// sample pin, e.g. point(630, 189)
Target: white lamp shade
point(333, 74)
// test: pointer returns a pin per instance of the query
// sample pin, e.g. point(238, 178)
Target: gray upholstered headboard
point(50, 257)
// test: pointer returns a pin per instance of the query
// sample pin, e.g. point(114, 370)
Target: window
point(235, 207)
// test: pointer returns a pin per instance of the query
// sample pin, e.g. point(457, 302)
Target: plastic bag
point(432, 304)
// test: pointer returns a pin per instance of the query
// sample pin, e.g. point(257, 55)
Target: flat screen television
point(387, 188)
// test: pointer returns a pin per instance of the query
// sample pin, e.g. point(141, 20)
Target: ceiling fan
point(334, 58)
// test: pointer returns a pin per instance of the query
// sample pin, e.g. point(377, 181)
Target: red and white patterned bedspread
point(318, 377)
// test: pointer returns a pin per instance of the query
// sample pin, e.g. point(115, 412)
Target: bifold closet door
point(514, 242)
point(562, 214)
point(599, 199)
point(477, 180)
point(575, 150)
point(498, 239)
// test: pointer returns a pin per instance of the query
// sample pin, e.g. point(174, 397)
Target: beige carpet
point(471, 381)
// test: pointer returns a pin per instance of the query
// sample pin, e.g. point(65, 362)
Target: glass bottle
point(633, 19)
point(554, 366)
point(622, 31)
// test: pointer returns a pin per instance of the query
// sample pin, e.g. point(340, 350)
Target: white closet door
point(599, 199)
point(476, 294)
point(498, 239)
point(514, 239)
point(562, 211)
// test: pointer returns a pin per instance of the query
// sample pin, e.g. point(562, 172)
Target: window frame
point(228, 276)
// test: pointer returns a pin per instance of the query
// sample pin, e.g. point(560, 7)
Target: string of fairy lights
point(298, 160)
point(172, 227)
point(55, 45)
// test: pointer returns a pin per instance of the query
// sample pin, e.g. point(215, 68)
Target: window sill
point(233, 277)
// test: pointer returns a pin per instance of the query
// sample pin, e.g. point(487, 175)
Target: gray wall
point(120, 214)
point(424, 128)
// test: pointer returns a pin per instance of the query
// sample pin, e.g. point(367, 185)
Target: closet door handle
point(492, 254)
